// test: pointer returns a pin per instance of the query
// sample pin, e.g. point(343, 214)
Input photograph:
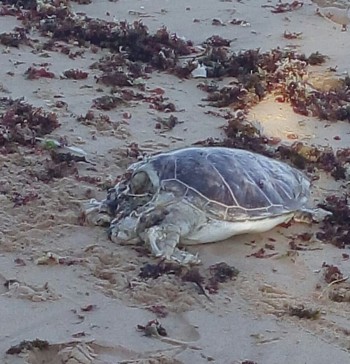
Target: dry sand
point(248, 319)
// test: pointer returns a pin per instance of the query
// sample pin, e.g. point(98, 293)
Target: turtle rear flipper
point(311, 215)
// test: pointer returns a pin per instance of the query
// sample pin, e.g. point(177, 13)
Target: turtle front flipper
point(163, 241)
point(164, 225)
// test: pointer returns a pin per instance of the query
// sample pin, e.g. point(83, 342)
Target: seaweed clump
point(304, 313)
point(335, 228)
point(57, 21)
point(220, 273)
point(28, 345)
point(138, 51)
point(258, 73)
point(133, 40)
point(21, 122)
point(15, 38)
point(282, 73)
point(21, 4)
point(210, 281)
point(332, 273)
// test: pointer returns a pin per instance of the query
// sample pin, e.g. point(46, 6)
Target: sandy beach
point(68, 294)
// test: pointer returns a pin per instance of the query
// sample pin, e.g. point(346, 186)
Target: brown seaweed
point(135, 51)
point(21, 122)
point(285, 7)
point(21, 4)
point(220, 273)
point(334, 228)
point(33, 73)
point(28, 345)
point(156, 270)
point(107, 102)
point(209, 280)
point(332, 273)
point(115, 78)
point(14, 39)
point(304, 313)
point(75, 74)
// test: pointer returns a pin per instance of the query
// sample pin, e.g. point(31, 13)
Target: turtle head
point(141, 183)
point(133, 191)
point(144, 177)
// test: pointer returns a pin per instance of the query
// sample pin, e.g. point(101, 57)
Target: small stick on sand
point(331, 284)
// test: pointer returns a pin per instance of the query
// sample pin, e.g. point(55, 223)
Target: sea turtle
point(200, 195)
